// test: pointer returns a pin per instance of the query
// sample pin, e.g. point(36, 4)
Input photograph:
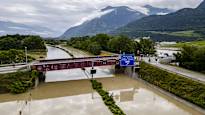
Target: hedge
point(182, 87)
point(108, 100)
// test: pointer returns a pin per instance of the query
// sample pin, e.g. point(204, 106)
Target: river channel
point(68, 92)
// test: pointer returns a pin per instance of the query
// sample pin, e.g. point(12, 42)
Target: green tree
point(103, 40)
point(20, 41)
point(147, 46)
point(34, 42)
point(121, 44)
point(192, 57)
point(94, 48)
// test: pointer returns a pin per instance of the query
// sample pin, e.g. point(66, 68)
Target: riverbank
point(184, 88)
point(37, 54)
point(64, 49)
point(72, 50)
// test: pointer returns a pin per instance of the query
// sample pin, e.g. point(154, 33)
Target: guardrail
point(15, 64)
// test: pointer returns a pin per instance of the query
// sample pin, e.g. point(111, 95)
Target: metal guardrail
point(8, 65)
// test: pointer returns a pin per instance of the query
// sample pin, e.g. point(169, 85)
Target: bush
point(192, 57)
point(17, 87)
point(185, 88)
point(18, 82)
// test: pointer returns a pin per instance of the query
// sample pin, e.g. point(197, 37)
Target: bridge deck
point(70, 60)
point(72, 63)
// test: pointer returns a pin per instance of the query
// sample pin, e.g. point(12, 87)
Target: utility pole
point(26, 57)
point(92, 69)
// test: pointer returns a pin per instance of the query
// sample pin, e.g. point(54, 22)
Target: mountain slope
point(17, 28)
point(185, 19)
point(115, 18)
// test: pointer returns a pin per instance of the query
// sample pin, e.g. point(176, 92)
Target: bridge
point(73, 63)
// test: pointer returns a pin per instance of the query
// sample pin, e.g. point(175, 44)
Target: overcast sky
point(62, 14)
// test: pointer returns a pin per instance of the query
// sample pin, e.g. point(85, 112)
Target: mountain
point(115, 17)
point(7, 27)
point(184, 19)
point(202, 6)
point(157, 11)
point(112, 18)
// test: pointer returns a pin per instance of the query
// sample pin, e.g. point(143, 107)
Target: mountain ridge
point(8, 27)
point(119, 17)
point(184, 19)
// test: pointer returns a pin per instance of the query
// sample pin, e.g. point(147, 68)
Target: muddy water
point(73, 74)
point(76, 97)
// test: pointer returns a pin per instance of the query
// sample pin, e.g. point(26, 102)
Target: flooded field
point(76, 97)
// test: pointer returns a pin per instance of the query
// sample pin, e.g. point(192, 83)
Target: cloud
point(59, 15)
point(97, 14)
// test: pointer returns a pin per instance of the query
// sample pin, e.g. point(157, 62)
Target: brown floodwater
point(76, 97)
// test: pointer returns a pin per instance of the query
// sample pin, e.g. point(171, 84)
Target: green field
point(194, 43)
point(190, 33)
point(39, 54)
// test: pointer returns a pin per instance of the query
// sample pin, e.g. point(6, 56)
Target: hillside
point(182, 20)
point(115, 17)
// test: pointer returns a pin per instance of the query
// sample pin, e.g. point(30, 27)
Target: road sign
point(127, 60)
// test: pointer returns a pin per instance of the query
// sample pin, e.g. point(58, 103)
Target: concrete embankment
point(189, 104)
point(64, 49)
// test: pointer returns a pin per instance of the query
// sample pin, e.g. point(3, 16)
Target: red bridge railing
point(72, 63)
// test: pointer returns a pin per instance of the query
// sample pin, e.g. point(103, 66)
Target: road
point(10, 69)
point(181, 71)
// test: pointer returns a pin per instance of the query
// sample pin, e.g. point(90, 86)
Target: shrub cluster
point(19, 42)
point(18, 82)
point(13, 56)
point(108, 100)
point(185, 88)
point(192, 57)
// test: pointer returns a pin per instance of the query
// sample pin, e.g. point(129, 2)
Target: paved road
point(11, 69)
point(184, 72)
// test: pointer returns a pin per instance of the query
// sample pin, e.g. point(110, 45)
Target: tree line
point(12, 47)
point(13, 56)
point(192, 57)
point(19, 42)
point(115, 44)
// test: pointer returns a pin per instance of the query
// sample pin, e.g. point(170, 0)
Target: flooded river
point(73, 74)
point(76, 97)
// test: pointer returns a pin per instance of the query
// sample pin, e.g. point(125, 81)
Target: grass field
point(194, 43)
point(181, 33)
point(37, 54)
point(106, 53)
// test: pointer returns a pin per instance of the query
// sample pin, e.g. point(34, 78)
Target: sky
point(60, 15)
